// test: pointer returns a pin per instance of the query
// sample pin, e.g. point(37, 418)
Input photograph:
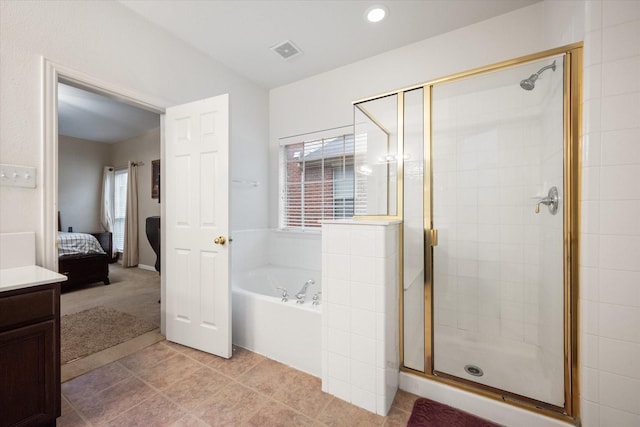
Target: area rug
point(95, 329)
point(427, 413)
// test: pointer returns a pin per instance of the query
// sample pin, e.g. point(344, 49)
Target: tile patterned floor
point(167, 384)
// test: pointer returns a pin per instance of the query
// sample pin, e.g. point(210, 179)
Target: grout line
point(77, 411)
point(237, 381)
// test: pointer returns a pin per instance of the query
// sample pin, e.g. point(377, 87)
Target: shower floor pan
point(515, 367)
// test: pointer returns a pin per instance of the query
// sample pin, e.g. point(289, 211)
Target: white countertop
point(24, 277)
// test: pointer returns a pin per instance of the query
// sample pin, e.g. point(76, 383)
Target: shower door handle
point(551, 201)
point(433, 237)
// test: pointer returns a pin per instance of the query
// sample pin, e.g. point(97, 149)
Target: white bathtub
point(284, 331)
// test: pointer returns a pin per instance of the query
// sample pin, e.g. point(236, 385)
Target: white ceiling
point(240, 33)
point(87, 115)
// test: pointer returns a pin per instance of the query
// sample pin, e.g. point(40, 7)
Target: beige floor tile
point(397, 418)
point(200, 356)
point(336, 413)
point(94, 381)
point(233, 405)
point(189, 421)
point(266, 377)
point(197, 388)
point(69, 417)
point(169, 371)
point(339, 413)
point(277, 414)
point(404, 401)
point(302, 392)
point(241, 361)
point(148, 357)
point(157, 411)
point(104, 406)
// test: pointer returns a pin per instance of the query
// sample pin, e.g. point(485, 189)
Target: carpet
point(95, 329)
point(427, 413)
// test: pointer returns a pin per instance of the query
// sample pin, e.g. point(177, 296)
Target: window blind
point(317, 181)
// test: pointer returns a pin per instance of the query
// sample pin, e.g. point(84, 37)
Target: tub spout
point(302, 295)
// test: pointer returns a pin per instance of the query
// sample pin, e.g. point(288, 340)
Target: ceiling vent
point(286, 50)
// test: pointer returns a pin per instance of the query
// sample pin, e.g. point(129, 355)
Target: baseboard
point(146, 267)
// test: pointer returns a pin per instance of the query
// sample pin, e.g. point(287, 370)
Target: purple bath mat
point(427, 413)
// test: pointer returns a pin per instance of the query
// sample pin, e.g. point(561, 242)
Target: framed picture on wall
point(155, 179)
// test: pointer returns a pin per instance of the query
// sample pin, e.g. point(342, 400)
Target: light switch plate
point(18, 176)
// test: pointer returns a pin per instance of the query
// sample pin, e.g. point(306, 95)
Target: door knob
point(220, 240)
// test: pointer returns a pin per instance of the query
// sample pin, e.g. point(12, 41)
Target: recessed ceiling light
point(376, 13)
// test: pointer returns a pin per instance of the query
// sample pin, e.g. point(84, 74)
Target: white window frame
point(116, 218)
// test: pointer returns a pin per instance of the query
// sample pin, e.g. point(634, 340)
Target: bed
point(84, 257)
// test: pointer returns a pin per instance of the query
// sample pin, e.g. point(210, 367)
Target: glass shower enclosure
point(486, 177)
point(497, 156)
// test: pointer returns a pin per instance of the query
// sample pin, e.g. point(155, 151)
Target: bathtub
point(284, 331)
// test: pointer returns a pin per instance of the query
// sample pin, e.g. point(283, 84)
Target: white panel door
point(198, 292)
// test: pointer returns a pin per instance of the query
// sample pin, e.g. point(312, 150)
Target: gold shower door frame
point(572, 121)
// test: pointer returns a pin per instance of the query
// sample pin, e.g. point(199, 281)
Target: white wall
point(80, 182)
point(142, 148)
point(325, 101)
point(609, 259)
point(105, 40)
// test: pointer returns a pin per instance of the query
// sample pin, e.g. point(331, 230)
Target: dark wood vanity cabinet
point(30, 356)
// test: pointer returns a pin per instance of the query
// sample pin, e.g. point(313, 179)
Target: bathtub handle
point(316, 298)
point(285, 294)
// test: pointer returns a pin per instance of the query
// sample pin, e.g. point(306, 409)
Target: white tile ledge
point(24, 277)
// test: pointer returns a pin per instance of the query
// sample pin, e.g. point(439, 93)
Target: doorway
point(79, 143)
point(195, 156)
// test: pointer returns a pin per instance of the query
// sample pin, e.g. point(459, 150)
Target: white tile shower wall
point(548, 285)
point(249, 249)
point(360, 313)
point(486, 275)
point(294, 249)
point(610, 257)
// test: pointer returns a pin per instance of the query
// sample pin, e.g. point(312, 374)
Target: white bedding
point(78, 243)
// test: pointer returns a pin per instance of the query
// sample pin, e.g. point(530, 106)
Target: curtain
point(130, 252)
point(106, 207)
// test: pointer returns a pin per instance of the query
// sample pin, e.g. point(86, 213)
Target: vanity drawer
point(23, 308)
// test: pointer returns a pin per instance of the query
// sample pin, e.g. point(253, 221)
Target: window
point(119, 208)
point(316, 182)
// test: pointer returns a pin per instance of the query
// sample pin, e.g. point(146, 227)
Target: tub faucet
point(300, 296)
point(316, 298)
point(285, 295)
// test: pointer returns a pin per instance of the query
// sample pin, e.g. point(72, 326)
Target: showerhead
point(530, 83)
